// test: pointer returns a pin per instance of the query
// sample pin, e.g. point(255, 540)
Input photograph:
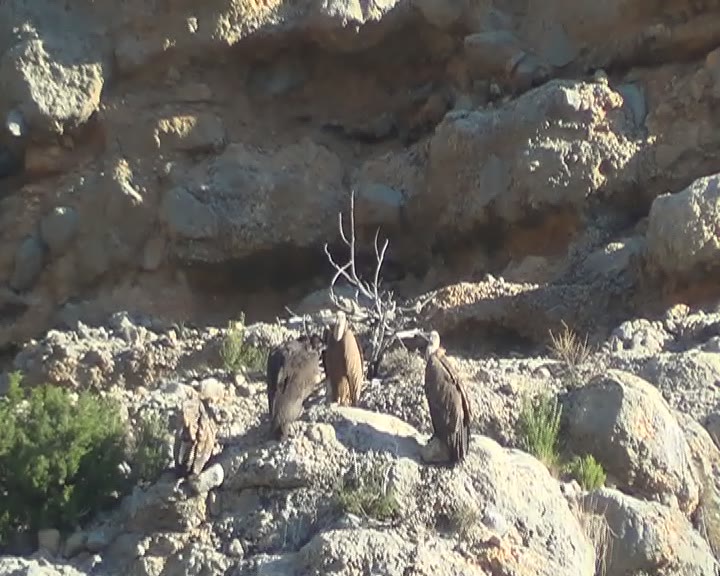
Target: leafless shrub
point(599, 533)
point(386, 320)
point(568, 347)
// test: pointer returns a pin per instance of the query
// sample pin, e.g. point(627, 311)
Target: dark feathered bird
point(450, 408)
point(343, 363)
point(293, 371)
point(194, 438)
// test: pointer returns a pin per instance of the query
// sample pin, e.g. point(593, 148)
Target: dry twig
point(385, 319)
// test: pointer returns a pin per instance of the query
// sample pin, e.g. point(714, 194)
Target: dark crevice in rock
point(482, 339)
point(276, 269)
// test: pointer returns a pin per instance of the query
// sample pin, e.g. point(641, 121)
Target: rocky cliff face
point(533, 162)
point(180, 160)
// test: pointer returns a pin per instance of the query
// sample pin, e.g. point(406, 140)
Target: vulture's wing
point(459, 384)
point(353, 364)
point(186, 435)
point(296, 381)
point(275, 361)
point(448, 405)
point(205, 442)
point(334, 363)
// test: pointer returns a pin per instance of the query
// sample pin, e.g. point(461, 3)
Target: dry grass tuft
point(596, 528)
point(568, 347)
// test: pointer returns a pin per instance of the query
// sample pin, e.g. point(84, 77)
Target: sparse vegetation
point(367, 495)
point(463, 518)
point(236, 353)
point(539, 429)
point(568, 347)
point(572, 351)
point(598, 531)
point(587, 471)
point(149, 449)
point(60, 457)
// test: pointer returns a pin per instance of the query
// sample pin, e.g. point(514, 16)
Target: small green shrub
point(237, 354)
point(60, 456)
point(366, 495)
point(587, 471)
point(463, 518)
point(539, 428)
point(149, 449)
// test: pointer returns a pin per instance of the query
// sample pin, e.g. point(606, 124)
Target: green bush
point(538, 430)
point(60, 457)
point(366, 495)
point(237, 354)
point(149, 449)
point(587, 471)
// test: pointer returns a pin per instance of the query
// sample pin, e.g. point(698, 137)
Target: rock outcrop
point(230, 135)
point(536, 168)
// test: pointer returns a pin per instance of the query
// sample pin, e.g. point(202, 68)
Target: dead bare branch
point(386, 321)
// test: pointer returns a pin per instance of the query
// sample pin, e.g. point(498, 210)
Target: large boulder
point(682, 233)
point(640, 537)
point(54, 75)
point(576, 138)
point(244, 201)
point(627, 425)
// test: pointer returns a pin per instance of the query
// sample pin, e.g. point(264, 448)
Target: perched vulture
point(194, 438)
point(449, 404)
point(293, 370)
point(343, 361)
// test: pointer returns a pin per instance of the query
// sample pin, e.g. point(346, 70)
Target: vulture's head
point(340, 324)
point(433, 346)
point(316, 342)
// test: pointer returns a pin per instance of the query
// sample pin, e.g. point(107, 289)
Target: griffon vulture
point(293, 370)
point(194, 438)
point(343, 362)
point(449, 404)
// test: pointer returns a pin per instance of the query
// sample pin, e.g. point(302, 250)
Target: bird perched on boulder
point(293, 371)
point(343, 361)
point(194, 438)
point(450, 408)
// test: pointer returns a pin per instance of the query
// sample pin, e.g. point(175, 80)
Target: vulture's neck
point(439, 352)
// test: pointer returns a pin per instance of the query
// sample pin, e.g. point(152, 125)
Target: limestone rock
point(58, 228)
point(244, 201)
point(15, 566)
point(203, 132)
point(646, 537)
point(682, 228)
point(524, 142)
point(28, 263)
point(55, 83)
point(336, 552)
point(49, 540)
point(625, 423)
point(160, 508)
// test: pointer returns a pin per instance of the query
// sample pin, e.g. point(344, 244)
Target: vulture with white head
point(343, 361)
point(450, 408)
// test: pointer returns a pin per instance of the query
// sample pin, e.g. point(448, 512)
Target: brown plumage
point(450, 408)
point(343, 362)
point(194, 438)
point(293, 370)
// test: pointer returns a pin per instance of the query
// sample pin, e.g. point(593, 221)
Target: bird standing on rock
point(194, 438)
point(293, 370)
point(343, 361)
point(450, 409)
